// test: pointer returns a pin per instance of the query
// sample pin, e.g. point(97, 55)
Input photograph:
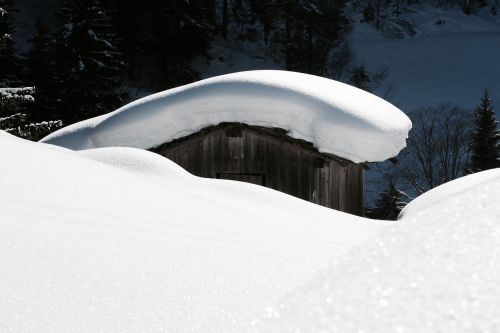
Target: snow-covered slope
point(120, 239)
point(453, 61)
point(435, 271)
point(335, 117)
point(447, 190)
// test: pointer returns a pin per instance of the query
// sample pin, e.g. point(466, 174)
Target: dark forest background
point(82, 65)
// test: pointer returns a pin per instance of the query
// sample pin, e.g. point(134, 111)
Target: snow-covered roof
point(335, 117)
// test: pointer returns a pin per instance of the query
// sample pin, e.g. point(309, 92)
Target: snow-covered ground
point(335, 117)
point(437, 270)
point(451, 62)
point(121, 239)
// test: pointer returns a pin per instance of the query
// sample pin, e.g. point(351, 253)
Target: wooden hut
point(269, 157)
point(232, 127)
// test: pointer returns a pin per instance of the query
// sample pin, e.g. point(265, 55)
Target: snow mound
point(137, 161)
point(436, 271)
point(122, 240)
point(335, 117)
point(447, 190)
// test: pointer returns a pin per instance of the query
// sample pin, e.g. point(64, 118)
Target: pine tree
point(310, 29)
point(244, 17)
point(18, 123)
point(38, 55)
point(485, 152)
point(87, 64)
point(38, 72)
point(181, 32)
point(265, 10)
point(389, 204)
point(130, 17)
point(169, 34)
point(360, 77)
point(8, 60)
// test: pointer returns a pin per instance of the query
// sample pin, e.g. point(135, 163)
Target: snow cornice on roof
point(335, 117)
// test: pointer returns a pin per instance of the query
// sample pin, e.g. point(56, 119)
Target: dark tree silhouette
point(389, 204)
point(85, 61)
point(485, 151)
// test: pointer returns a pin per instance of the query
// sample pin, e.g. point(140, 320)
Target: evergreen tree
point(181, 32)
point(18, 123)
point(389, 204)
point(364, 79)
point(133, 26)
point(265, 10)
point(38, 72)
point(164, 36)
point(244, 17)
point(360, 77)
point(38, 54)
point(8, 60)
point(86, 62)
point(310, 29)
point(485, 152)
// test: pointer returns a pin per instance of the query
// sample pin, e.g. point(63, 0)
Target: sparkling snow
point(437, 270)
point(335, 117)
point(121, 239)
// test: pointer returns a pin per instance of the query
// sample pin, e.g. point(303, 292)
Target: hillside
point(443, 62)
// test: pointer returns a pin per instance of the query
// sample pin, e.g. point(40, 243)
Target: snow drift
point(121, 239)
point(447, 190)
point(335, 117)
point(435, 271)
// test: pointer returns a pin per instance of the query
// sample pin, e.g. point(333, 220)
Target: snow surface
point(435, 271)
point(121, 239)
point(447, 190)
point(451, 62)
point(335, 117)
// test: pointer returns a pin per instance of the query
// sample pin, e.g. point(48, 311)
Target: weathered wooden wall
point(269, 157)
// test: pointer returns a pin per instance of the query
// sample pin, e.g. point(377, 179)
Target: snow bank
point(335, 117)
point(447, 190)
point(436, 271)
point(121, 239)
